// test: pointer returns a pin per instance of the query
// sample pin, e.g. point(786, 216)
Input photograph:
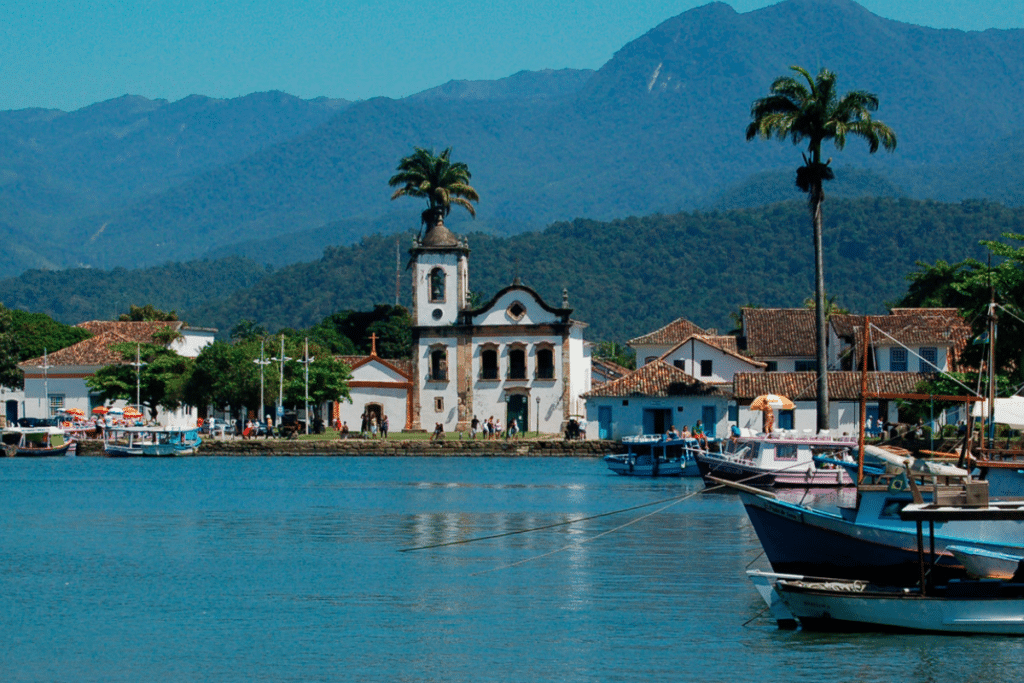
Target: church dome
point(439, 236)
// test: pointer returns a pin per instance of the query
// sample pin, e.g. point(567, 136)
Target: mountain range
point(657, 129)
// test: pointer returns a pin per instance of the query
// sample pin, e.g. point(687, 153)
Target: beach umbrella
point(100, 410)
point(771, 401)
point(77, 412)
point(131, 412)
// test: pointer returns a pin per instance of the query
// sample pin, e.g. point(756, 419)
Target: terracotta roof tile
point(608, 368)
point(803, 386)
point(92, 351)
point(133, 331)
point(779, 332)
point(673, 333)
point(657, 379)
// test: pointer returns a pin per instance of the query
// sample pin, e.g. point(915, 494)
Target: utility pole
point(306, 360)
point(261, 362)
point(138, 364)
point(280, 385)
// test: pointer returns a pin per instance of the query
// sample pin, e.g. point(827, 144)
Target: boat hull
point(719, 467)
point(645, 466)
point(802, 540)
point(826, 609)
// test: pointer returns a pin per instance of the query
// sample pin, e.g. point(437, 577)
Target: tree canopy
point(437, 179)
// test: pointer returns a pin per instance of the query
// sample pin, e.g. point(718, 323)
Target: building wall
point(627, 414)
point(723, 365)
point(844, 416)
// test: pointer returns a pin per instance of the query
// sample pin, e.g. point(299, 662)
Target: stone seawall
point(365, 447)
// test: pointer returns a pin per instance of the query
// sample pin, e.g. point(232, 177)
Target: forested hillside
point(623, 277)
point(658, 128)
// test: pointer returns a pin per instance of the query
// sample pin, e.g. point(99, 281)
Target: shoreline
point(276, 447)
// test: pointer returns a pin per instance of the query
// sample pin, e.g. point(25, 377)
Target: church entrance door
point(518, 410)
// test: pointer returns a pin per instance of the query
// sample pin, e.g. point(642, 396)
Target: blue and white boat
point(150, 442)
point(654, 455)
point(778, 460)
point(869, 540)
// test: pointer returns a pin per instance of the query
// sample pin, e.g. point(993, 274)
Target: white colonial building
point(515, 357)
point(57, 382)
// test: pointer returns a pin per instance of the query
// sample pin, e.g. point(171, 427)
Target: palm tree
point(436, 178)
point(813, 111)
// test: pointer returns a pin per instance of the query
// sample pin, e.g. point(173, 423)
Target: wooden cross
point(373, 340)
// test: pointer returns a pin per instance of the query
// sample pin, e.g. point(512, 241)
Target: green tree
point(617, 353)
point(813, 111)
point(437, 179)
point(36, 332)
point(10, 375)
point(350, 332)
point(161, 381)
point(147, 313)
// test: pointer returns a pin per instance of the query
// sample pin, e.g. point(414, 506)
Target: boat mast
point(863, 400)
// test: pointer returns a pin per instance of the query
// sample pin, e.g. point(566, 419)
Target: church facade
point(514, 358)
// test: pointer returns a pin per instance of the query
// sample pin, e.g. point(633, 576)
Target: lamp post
point(280, 385)
point(538, 417)
point(138, 376)
point(306, 360)
point(261, 362)
point(46, 384)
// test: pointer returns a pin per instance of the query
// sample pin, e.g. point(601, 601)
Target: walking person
point(473, 427)
point(373, 426)
point(513, 428)
point(384, 427)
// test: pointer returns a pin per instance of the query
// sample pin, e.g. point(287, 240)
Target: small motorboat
point(654, 455)
point(37, 442)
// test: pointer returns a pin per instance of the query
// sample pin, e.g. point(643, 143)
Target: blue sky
point(66, 54)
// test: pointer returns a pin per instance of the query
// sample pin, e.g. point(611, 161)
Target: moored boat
point(38, 442)
point(778, 460)
point(654, 455)
point(150, 442)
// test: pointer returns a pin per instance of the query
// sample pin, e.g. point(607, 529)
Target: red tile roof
point(779, 332)
point(803, 386)
point(657, 379)
point(400, 365)
point(673, 333)
point(92, 351)
point(138, 332)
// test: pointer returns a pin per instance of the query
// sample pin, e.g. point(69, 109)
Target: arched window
point(438, 364)
point(517, 362)
point(545, 362)
point(489, 361)
point(437, 284)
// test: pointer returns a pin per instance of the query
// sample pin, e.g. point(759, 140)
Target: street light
point(538, 417)
point(306, 360)
point(261, 362)
point(280, 386)
point(138, 364)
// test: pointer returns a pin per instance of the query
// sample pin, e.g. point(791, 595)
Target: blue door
point(657, 420)
point(871, 424)
point(709, 418)
point(604, 422)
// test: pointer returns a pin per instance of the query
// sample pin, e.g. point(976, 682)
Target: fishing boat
point(780, 460)
point(150, 442)
point(960, 605)
point(654, 455)
point(37, 442)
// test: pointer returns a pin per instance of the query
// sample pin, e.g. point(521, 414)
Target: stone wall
point(365, 447)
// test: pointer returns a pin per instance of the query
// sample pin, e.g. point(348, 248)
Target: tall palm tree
point(437, 179)
point(811, 110)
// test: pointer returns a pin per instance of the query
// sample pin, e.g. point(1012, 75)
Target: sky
point(67, 54)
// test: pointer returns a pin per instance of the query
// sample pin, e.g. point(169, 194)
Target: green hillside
point(624, 277)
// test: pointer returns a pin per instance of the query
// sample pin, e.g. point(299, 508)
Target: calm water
point(288, 569)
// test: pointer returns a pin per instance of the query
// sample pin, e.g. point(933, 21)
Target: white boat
point(37, 442)
point(779, 460)
point(150, 442)
point(654, 455)
point(968, 606)
point(983, 606)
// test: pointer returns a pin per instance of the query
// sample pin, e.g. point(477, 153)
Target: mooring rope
point(573, 546)
point(548, 526)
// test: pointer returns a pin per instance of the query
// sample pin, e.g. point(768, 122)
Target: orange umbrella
point(77, 412)
point(769, 401)
point(100, 410)
point(132, 412)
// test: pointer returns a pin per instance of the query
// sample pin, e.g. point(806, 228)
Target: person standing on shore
point(473, 426)
point(384, 427)
point(373, 426)
point(364, 426)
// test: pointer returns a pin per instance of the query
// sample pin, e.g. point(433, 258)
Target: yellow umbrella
point(771, 401)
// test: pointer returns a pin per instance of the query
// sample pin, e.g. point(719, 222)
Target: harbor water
point(292, 569)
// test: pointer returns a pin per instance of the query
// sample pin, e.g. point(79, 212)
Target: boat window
point(892, 506)
point(785, 451)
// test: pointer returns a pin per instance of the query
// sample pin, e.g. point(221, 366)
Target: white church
point(515, 357)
